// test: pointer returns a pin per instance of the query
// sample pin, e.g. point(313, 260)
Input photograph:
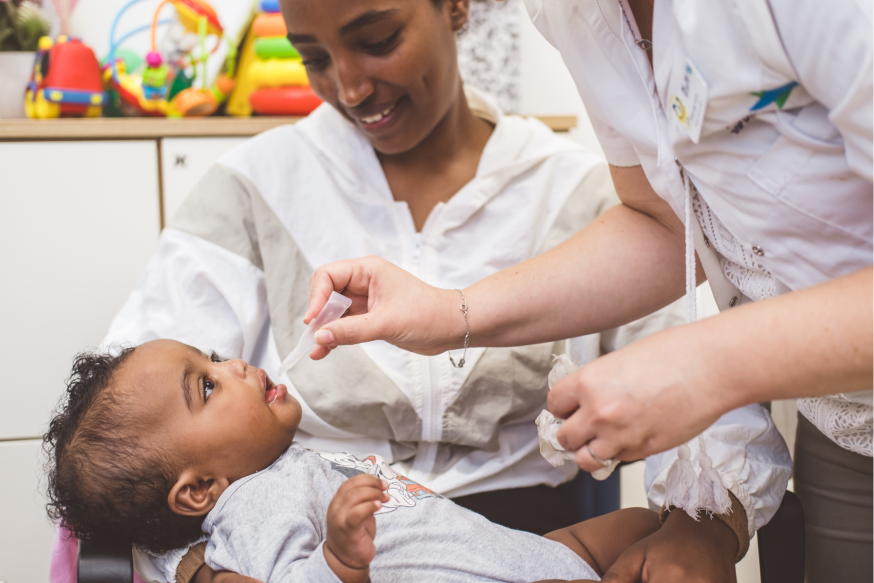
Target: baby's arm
point(349, 548)
point(600, 541)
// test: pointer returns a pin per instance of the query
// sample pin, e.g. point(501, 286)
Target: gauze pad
point(336, 307)
point(547, 424)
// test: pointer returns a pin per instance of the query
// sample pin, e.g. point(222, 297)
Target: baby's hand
point(352, 527)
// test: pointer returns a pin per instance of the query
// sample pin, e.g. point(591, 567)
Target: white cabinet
point(79, 221)
point(25, 530)
point(184, 161)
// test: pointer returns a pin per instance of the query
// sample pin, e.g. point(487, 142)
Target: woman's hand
point(387, 304)
point(637, 401)
point(662, 391)
point(349, 548)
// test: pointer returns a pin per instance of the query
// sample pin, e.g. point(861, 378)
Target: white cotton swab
point(336, 307)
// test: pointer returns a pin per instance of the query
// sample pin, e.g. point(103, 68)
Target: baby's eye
point(213, 356)
point(207, 387)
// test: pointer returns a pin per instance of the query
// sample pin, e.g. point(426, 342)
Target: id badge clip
point(688, 100)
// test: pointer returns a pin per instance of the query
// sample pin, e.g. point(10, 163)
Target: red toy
point(284, 101)
point(66, 81)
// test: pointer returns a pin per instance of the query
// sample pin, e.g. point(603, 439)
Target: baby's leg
point(600, 541)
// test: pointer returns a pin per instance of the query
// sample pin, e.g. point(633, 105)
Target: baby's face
point(226, 419)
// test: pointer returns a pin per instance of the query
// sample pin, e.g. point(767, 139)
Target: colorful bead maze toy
point(166, 86)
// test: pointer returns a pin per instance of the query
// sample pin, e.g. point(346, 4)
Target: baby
point(162, 443)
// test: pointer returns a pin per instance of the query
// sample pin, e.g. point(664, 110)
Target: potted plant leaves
point(22, 23)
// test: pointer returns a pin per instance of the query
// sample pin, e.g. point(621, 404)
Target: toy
point(275, 77)
point(278, 73)
point(65, 81)
point(275, 47)
point(155, 76)
point(165, 87)
point(285, 101)
point(269, 24)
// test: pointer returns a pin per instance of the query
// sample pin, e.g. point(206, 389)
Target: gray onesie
point(272, 525)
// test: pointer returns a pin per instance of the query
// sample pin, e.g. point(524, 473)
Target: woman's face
point(389, 66)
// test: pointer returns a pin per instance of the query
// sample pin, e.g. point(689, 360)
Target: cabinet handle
point(180, 160)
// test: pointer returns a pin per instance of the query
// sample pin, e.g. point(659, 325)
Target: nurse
point(739, 139)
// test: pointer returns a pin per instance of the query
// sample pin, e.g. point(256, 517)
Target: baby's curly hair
point(105, 482)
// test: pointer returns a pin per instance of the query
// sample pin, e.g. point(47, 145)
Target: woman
point(744, 129)
point(400, 163)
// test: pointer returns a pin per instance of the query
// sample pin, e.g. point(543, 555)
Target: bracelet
point(466, 336)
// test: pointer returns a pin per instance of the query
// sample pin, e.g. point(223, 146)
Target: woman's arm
point(662, 391)
point(626, 264)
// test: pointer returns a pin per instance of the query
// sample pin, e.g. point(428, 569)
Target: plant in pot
point(22, 23)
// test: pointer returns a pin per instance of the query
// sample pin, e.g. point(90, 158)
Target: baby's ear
point(193, 495)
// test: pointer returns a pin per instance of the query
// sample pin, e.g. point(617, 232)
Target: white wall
point(546, 85)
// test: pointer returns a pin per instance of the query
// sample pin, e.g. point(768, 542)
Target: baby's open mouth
point(270, 391)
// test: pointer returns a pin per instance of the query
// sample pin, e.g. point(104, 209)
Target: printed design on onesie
point(402, 491)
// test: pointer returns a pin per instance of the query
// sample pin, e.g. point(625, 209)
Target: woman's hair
point(105, 482)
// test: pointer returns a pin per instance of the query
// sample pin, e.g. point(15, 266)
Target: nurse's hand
point(387, 304)
point(638, 401)
point(664, 390)
point(681, 550)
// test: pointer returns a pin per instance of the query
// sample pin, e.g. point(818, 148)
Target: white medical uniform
point(784, 156)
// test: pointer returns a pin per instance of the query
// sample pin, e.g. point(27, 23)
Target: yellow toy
point(272, 78)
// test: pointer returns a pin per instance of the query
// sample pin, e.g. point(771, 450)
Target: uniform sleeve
point(750, 455)
point(829, 44)
point(617, 150)
point(283, 548)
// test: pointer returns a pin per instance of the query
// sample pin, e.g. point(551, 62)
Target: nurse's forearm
point(621, 267)
point(817, 341)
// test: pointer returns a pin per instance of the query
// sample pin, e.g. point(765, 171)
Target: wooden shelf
point(131, 128)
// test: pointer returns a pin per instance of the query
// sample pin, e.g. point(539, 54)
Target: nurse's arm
point(816, 341)
point(626, 264)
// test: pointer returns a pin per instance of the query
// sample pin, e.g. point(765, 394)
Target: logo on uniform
point(777, 96)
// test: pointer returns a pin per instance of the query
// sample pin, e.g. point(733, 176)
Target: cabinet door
point(25, 530)
point(184, 161)
point(79, 221)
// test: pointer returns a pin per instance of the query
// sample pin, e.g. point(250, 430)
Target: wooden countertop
point(131, 128)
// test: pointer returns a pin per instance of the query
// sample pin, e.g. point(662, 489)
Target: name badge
point(688, 99)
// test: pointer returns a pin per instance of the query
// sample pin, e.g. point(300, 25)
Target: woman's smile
point(385, 117)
